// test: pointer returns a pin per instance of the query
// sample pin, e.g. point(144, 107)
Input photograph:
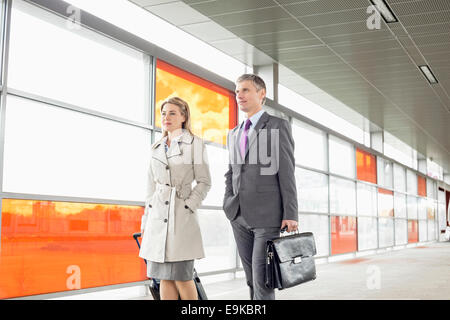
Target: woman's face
point(171, 117)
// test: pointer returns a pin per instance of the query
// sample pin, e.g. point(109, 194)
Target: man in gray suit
point(260, 193)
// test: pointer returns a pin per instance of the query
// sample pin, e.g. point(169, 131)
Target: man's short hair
point(258, 82)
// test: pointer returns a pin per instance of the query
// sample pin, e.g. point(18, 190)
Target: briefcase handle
point(285, 229)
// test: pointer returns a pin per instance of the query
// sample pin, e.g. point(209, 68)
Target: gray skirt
point(178, 271)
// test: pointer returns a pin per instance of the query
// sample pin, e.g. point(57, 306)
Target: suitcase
point(154, 285)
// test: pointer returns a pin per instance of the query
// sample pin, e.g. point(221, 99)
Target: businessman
point(260, 192)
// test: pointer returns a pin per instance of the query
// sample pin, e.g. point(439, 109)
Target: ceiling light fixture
point(428, 74)
point(385, 11)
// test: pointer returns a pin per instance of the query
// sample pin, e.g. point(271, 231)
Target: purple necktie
point(244, 138)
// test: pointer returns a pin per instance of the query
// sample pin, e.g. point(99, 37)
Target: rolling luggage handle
point(154, 286)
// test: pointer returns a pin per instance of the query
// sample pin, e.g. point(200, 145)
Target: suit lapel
point(235, 144)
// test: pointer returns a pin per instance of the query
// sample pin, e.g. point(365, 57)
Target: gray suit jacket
point(262, 184)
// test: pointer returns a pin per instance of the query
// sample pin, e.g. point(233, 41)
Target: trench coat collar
point(159, 151)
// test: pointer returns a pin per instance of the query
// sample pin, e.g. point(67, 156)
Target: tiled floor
point(422, 272)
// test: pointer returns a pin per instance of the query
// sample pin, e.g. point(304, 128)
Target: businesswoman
point(171, 233)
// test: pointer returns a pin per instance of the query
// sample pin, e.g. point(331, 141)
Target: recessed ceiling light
point(385, 11)
point(428, 74)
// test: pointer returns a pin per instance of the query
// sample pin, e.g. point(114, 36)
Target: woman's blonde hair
point(184, 110)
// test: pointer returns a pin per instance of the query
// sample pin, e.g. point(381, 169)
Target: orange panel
point(384, 191)
point(366, 166)
point(213, 108)
point(51, 246)
point(343, 235)
point(421, 186)
point(413, 233)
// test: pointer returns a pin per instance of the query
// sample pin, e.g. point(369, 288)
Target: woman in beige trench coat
point(171, 232)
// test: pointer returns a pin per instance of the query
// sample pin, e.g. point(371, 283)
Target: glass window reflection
point(367, 233)
point(342, 157)
point(342, 196)
point(312, 191)
point(218, 241)
point(310, 145)
point(367, 199)
point(318, 225)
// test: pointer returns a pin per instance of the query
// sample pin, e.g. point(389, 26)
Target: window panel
point(343, 235)
point(399, 205)
point(158, 136)
point(431, 209)
point(398, 150)
point(441, 196)
point(2, 5)
point(341, 157)
point(431, 230)
point(310, 146)
point(442, 216)
point(422, 207)
point(434, 170)
point(342, 196)
point(311, 110)
point(367, 199)
point(78, 155)
point(401, 231)
point(386, 232)
point(431, 189)
point(399, 178)
point(275, 112)
point(421, 186)
point(423, 230)
point(412, 207)
point(318, 225)
point(385, 174)
point(385, 203)
point(212, 108)
point(411, 182)
point(312, 191)
point(366, 166)
point(76, 65)
point(45, 242)
point(218, 241)
point(413, 233)
point(218, 165)
point(367, 233)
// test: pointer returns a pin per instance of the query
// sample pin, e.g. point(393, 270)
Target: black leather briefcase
point(290, 260)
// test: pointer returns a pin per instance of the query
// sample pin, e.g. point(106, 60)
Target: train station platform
point(421, 272)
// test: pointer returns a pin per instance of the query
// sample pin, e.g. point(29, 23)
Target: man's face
point(248, 98)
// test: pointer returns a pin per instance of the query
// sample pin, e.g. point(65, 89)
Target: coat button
point(186, 207)
point(167, 202)
point(167, 167)
point(149, 205)
point(165, 220)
